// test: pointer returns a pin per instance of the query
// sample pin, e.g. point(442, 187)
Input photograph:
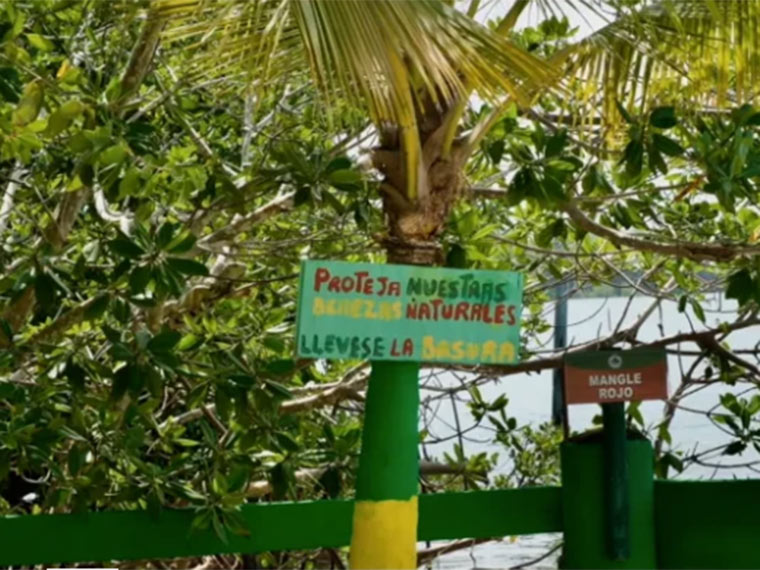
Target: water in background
point(530, 402)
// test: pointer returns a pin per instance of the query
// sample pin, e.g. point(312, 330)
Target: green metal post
point(384, 531)
point(616, 482)
point(559, 411)
point(586, 507)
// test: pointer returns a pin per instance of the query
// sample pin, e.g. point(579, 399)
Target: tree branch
point(689, 250)
point(124, 220)
point(241, 224)
point(6, 206)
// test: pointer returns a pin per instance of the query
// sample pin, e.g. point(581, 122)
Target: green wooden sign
point(404, 312)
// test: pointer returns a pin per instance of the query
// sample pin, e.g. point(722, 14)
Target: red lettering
point(411, 311)
point(362, 285)
point(395, 289)
point(383, 285)
point(424, 311)
point(348, 284)
point(334, 285)
point(461, 311)
point(499, 316)
point(321, 277)
point(408, 347)
point(436, 304)
point(512, 318)
point(448, 311)
point(487, 314)
point(394, 348)
point(476, 310)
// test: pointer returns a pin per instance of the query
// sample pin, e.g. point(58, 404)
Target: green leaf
point(667, 145)
point(45, 288)
point(278, 389)
point(130, 183)
point(125, 247)
point(741, 287)
point(456, 256)
point(495, 150)
point(113, 155)
point(187, 266)
point(345, 179)
point(139, 279)
point(556, 144)
point(40, 42)
point(164, 341)
point(698, 311)
point(219, 529)
point(302, 196)
point(286, 442)
point(624, 113)
point(189, 341)
point(223, 404)
point(735, 448)
point(29, 105)
point(634, 158)
point(663, 117)
point(122, 381)
point(76, 376)
point(182, 243)
point(98, 307)
point(165, 235)
point(280, 367)
point(62, 117)
point(338, 163)
point(656, 162)
point(10, 84)
point(76, 459)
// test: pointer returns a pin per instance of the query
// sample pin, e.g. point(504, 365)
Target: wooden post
point(384, 531)
point(616, 482)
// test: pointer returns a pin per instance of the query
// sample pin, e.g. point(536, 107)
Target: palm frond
point(698, 52)
point(386, 56)
point(350, 47)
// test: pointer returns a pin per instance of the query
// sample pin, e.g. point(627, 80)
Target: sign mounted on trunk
point(404, 312)
point(616, 376)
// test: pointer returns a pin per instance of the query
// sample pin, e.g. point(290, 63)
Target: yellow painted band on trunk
point(384, 534)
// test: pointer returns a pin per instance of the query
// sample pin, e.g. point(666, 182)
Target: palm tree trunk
point(384, 533)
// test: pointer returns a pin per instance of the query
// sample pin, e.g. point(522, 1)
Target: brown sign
point(616, 376)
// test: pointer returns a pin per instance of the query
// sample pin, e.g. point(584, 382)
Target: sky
point(586, 20)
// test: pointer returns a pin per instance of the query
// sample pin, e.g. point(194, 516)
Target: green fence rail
point(696, 525)
point(134, 535)
point(707, 524)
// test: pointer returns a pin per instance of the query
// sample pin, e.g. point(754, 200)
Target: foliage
point(152, 230)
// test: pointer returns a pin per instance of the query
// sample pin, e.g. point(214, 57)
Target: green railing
point(131, 535)
point(696, 524)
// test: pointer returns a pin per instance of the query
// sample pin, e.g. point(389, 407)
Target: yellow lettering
point(370, 310)
point(473, 350)
point(442, 350)
point(457, 350)
point(331, 308)
point(428, 347)
point(356, 309)
point(318, 308)
point(397, 310)
point(507, 352)
point(489, 351)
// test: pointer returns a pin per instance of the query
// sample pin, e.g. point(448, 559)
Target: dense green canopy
point(154, 208)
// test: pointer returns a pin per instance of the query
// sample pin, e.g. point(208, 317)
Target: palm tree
point(411, 65)
point(414, 65)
